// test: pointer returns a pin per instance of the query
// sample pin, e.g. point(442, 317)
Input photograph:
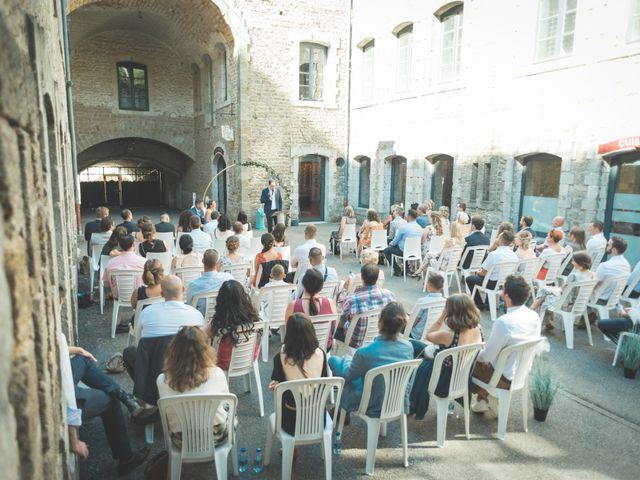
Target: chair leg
point(567, 321)
point(383, 429)
point(404, 270)
point(92, 273)
point(373, 430)
point(446, 286)
point(175, 465)
point(234, 459)
point(267, 446)
point(326, 443)
point(221, 461)
point(101, 297)
point(405, 441)
point(588, 325)
point(265, 344)
point(287, 457)
point(457, 277)
point(504, 399)
point(442, 414)
point(256, 374)
point(114, 317)
point(341, 416)
point(525, 407)
point(466, 415)
point(615, 355)
point(148, 433)
point(492, 306)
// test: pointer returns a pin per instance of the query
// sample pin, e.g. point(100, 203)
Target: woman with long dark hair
point(112, 247)
point(232, 321)
point(188, 258)
point(183, 221)
point(223, 230)
point(279, 235)
point(300, 358)
point(267, 254)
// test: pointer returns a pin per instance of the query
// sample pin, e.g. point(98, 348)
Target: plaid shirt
point(363, 299)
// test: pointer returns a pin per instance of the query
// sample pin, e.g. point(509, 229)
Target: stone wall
point(37, 241)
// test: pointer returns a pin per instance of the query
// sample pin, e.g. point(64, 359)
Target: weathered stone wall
point(37, 240)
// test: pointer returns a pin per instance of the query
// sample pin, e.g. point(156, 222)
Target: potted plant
point(630, 351)
point(542, 388)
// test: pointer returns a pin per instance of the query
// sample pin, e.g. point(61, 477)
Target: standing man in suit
point(475, 238)
point(94, 226)
point(272, 200)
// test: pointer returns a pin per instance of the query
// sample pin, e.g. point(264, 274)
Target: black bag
point(334, 243)
point(84, 300)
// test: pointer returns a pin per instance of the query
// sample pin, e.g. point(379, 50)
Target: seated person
point(435, 286)
point(238, 231)
point(127, 217)
point(371, 223)
point(396, 221)
point(212, 224)
point(458, 325)
point(152, 276)
point(475, 239)
point(554, 237)
point(316, 261)
point(279, 235)
point(112, 247)
point(201, 241)
point(127, 260)
point(388, 348)
point(211, 279)
point(101, 237)
point(165, 225)
point(151, 244)
point(369, 257)
point(634, 277)
point(612, 328)
point(367, 297)
point(267, 254)
point(190, 368)
point(301, 253)
point(519, 324)
point(616, 266)
point(396, 247)
point(504, 226)
point(523, 240)
point(597, 240)
point(232, 257)
point(188, 258)
point(277, 276)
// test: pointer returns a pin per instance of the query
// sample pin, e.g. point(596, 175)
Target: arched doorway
point(221, 182)
point(311, 187)
point(441, 179)
point(398, 180)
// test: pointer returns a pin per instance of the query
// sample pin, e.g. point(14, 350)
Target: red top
point(325, 309)
point(225, 348)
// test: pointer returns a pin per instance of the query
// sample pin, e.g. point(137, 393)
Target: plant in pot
point(630, 352)
point(542, 389)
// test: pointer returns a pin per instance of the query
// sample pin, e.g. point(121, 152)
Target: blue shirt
point(199, 213)
point(418, 328)
point(208, 282)
point(411, 229)
point(423, 220)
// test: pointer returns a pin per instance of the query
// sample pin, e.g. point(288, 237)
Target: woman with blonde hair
point(348, 218)
point(456, 240)
point(444, 217)
point(151, 277)
point(190, 368)
point(523, 240)
point(232, 256)
point(371, 224)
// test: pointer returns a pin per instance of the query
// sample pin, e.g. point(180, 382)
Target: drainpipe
point(348, 159)
point(72, 131)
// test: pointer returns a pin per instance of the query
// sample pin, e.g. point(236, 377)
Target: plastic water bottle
point(243, 461)
point(257, 461)
point(337, 444)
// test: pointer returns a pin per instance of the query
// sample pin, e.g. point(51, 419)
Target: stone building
point(171, 93)
point(37, 241)
point(520, 107)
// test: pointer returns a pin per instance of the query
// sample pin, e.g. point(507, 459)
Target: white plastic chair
point(579, 293)
point(412, 253)
point(126, 282)
point(370, 319)
point(434, 307)
point(597, 255)
point(94, 264)
point(396, 377)
point(195, 415)
point(494, 235)
point(322, 325)
point(272, 304)
point(528, 268)
point(524, 355)
point(619, 283)
point(436, 244)
point(188, 274)
point(504, 270)
point(210, 299)
point(447, 266)
point(329, 289)
point(242, 363)
point(241, 272)
point(169, 241)
point(135, 328)
point(626, 294)
point(478, 253)
point(104, 261)
point(462, 359)
point(176, 247)
point(220, 245)
point(313, 423)
point(562, 278)
point(349, 238)
point(284, 251)
point(552, 263)
point(378, 241)
point(165, 259)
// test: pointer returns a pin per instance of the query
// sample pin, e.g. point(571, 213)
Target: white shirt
point(634, 275)
point(301, 253)
point(272, 196)
point(201, 240)
point(245, 241)
point(595, 242)
point(395, 224)
point(166, 318)
point(519, 324)
point(210, 226)
point(500, 254)
point(331, 276)
point(614, 267)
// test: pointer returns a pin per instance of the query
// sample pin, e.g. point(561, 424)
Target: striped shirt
point(363, 299)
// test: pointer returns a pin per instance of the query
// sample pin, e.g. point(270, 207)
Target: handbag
point(157, 467)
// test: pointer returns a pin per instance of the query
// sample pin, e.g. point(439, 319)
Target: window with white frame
point(367, 70)
point(556, 26)
point(451, 44)
point(633, 34)
point(313, 59)
point(220, 73)
point(403, 58)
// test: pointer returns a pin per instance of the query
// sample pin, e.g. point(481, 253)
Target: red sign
point(626, 143)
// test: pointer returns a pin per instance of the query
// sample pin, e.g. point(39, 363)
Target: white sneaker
point(479, 406)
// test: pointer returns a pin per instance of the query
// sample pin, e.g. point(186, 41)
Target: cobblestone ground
point(595, 412)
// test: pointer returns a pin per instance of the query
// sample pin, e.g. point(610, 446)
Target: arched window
point(450, 18)
point(367, 69)
point(556, 26)
point(540, 188)
point(133, 91)
point(364, 181)
point(398, 180)
point(313, 59)
point(221, 181)
point(197, 88)
point(220, 73)
point(208, 88)
point(404, 33)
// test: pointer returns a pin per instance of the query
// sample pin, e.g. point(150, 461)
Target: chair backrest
point(576, 295)
point(370, 318)
point(188, 274)
point(195, 416)
point(504, 269)
point(256, 244)
point(356, 281)
point(242, 354)
point(378, 240)
point(597, 255)
point(126, 283)
point(462, 359)
point(412, 248)
point(165, 259)
point(524, 355)
point(553, 263)
point(137, 327)
point(630, 288)
point(616, 286)
point(310, 397)
point(284, 251)
point(478, 252)
point(178, 235)
point(210, 298)
point(528, 268)
point(96, 251)
point(322, 325)
point(220, 245)
point(494, 235)
point(434, 308)
point(276, 297)
point(396, 376)
point(104, 261)
point(436, 243)
point(567, 260)
point(455, 254)
point(329, 289)
point(168, 239)
point(241, 272)
point(348, 233)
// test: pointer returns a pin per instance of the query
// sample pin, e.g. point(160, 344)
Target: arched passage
point(131, 171)
point(220, 186)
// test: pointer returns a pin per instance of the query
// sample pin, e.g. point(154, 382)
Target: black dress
point(153, 246)
point(288, 402)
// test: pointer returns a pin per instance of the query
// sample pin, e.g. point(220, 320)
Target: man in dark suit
point(165, 225)
point(127, 223)
point(475, 238)
point(94, 225)
point(525, 225)
point(272, 200)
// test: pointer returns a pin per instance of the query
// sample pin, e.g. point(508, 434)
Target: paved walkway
point(592, 431)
